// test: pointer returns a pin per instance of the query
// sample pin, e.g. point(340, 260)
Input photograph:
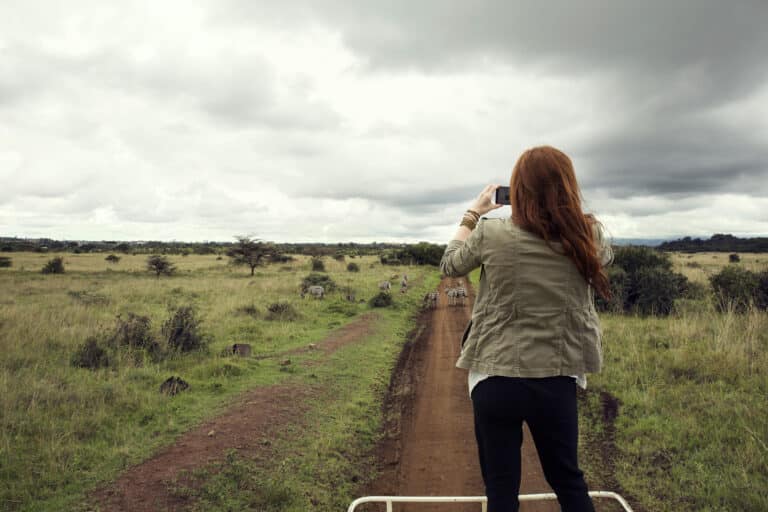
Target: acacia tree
point(251, 252)
point(160, 265)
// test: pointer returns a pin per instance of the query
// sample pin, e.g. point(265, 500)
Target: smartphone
point(502, 195)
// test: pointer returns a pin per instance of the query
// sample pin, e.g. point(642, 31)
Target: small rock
point(285, 362)
point(312, 346)
point(211, 433)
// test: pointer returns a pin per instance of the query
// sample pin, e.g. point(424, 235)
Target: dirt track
point(433, 451)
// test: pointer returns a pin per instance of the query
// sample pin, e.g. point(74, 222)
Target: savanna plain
point(677, 420)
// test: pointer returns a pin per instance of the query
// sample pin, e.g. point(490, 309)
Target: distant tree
point(160, 265)
point(251, 252)
point(112, 258)
point(54, 266)
point(123, 247)
point(5, 261)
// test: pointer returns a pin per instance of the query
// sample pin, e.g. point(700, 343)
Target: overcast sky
point(311, 120)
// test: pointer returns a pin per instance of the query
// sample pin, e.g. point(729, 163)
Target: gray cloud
point(368, 120)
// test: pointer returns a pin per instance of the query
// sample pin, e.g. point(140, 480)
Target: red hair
point(546, 201)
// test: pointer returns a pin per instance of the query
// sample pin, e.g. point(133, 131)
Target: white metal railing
point(389, 500)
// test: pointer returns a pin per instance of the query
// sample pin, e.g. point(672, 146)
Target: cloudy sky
point(313, 120)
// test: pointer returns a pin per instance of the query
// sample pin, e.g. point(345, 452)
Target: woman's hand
point(484, 202)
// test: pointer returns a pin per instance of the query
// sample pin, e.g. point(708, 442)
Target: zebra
point(385, 286)
point(461, 294)
point(317, 292)
point(404, 284)
point(451, 293)
point(431, 299)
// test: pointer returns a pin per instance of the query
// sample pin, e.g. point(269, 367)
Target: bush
point(182, 330)
point(642, 281)
point(249, 309)
point(318, 280)
point(54, 266)
point(632, 258)
point(160, 265)
point(734, 258)
point(90, 355)
point(5, 261)
point(353, 267)
point(317, 264)
point(339, 257)
point(112, 258)
point(734, 287)
point(381, 300)
point(282, 311)
point(761, 293)
point(654, 290)
point(619, 284)
point(134, 332)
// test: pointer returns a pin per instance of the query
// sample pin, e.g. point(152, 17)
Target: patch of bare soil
point(248, 427)
point(428, 448)
point(603, 447)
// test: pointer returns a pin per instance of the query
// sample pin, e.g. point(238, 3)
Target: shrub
point(160, 265)
point(734, 287)
point(654, 290)
point(353, 267)
point(249, 309)
point(381, 300)
point(645, 283)
point(5, 261)
point(112, 258)
point(181, 330)
point(619, 284)
point(281, 311)
point(632, 258)
point(90, 355)
point(734, 258)
point(761, 293)
point(317, 264)
point(54, 266)
point(314, 279)
point(134, 332)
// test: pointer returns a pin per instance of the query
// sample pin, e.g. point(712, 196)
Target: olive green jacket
point(534, 313)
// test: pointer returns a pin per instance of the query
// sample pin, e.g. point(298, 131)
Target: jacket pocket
point(539, 334)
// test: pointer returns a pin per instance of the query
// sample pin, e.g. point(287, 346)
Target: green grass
point(322, 465)
point(65, 430)
point(692, 427)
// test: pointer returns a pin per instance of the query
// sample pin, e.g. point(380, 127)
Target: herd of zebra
point(456, 295)
point(318, 292)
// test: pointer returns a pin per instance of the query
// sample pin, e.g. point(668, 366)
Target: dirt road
point(435, 452)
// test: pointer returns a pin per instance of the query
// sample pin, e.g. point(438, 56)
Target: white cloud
point(202, 120)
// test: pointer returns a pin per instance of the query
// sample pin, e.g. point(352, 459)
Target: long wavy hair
point(546, 201)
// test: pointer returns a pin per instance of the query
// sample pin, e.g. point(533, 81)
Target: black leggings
point(548, 406)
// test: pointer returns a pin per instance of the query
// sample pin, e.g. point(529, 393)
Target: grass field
point(65, 429)
point(691, 432)
point(678, 419)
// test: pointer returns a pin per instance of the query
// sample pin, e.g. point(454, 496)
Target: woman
point(534, 331)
